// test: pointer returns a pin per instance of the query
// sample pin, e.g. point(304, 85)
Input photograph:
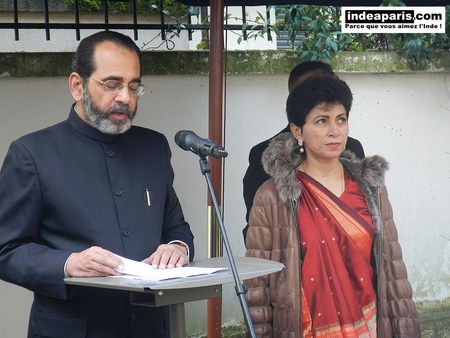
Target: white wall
point(404, 117)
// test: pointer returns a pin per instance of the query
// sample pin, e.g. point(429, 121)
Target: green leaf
point(331, 44)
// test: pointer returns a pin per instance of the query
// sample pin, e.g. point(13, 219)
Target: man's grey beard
point(100, 119)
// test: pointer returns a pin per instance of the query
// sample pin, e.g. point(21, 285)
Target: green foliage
point(259, 27)
point(319, 27)
point(415, 49)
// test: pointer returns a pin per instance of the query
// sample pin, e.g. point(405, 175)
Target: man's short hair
point(83, 59)
point(307, 69)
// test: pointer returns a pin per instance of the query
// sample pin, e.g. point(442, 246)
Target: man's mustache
point(122, 108)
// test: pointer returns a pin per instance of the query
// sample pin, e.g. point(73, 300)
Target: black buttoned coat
point(69, 187)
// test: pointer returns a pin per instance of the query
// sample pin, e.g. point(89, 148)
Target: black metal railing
point(134, 25)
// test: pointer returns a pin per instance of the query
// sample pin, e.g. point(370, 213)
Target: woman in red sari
point(326, 216)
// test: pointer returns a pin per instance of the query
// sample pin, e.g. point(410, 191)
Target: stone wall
point(236, 62)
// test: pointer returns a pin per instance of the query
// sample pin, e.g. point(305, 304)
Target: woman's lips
point(333, 145)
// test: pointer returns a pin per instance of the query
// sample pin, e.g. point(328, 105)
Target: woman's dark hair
point(313, 92)
point(83, 59)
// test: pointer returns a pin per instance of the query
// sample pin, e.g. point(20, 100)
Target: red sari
point(338, 287)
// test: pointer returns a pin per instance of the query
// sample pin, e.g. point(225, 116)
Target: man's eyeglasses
point(116, 86)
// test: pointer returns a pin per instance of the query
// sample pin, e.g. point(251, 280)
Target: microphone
point(188, 140)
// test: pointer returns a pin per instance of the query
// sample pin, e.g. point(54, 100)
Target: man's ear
point(76, 86)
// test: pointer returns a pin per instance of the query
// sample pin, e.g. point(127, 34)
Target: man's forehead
point(109, 49)
point(114, 58)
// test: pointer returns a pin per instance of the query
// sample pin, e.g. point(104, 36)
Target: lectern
point(176, 292)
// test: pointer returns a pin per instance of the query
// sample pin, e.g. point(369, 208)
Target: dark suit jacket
point(255, 175)
point(69, 187)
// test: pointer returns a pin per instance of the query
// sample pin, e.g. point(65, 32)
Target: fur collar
point(282, 157)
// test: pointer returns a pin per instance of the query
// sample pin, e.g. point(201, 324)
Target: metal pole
point(214, 327)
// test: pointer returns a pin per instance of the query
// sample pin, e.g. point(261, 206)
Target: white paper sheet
point(139, 270)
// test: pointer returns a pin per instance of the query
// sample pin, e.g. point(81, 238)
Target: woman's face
point(325, 131)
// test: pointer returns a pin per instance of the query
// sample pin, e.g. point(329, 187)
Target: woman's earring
point(300, 144)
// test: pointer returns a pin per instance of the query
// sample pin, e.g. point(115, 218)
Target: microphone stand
point(239, 287)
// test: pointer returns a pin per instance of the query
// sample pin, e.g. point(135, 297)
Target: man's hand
point(93, 262)
point(168, 256)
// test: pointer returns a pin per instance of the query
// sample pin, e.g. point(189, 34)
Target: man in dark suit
point(75, 194)
point(255, 175)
